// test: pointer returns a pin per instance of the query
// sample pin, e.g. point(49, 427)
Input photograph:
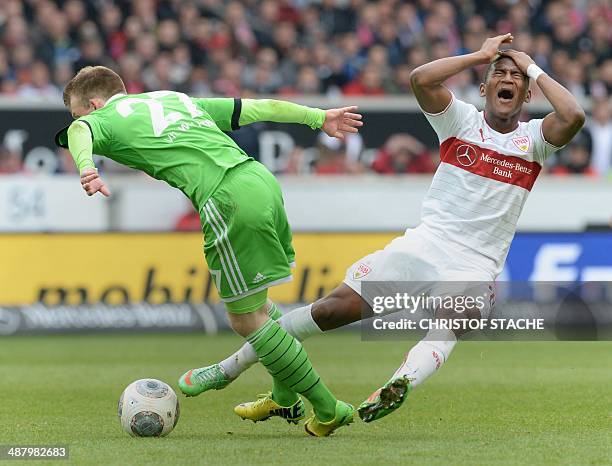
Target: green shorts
point(247, 239)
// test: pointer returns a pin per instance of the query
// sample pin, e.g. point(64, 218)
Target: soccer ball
point(148, 408)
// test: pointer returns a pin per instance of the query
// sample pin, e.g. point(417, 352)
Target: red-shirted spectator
point(337, 157)
point(189, 221)
point(575, 158)
point(403, 154)
point(369, 82)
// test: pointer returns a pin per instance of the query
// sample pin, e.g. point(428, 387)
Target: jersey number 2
point(159, 120)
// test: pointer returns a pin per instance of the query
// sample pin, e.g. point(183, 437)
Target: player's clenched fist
point(92, 183)
point(490, 47)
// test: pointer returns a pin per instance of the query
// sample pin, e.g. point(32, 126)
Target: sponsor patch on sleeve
point(361, 271)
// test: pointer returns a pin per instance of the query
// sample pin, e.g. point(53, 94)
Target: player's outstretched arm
point(427, 80)
point(231, 114)
point(81, 148)
point(336, 122)
point(560, 126)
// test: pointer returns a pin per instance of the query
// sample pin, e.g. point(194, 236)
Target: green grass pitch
point(492, 403)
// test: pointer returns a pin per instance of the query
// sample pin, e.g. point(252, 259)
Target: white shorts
point(426, 264)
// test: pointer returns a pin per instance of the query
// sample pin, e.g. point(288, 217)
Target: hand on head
point(490, 47)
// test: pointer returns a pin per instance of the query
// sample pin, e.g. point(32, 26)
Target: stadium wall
point(159, 281)
point(169, 268)
point(57, 203)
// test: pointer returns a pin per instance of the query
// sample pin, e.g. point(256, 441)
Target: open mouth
point(505, 95)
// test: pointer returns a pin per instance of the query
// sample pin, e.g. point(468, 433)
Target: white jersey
point(482, 183)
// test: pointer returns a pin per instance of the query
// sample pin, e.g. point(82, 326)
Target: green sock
point(288, 364)
point(281, 393)
point(274, 312)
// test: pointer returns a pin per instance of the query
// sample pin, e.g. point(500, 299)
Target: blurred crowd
point(306, 47)
point(289, 47)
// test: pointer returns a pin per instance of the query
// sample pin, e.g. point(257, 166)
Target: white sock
point(427, 356)
point(298, 323)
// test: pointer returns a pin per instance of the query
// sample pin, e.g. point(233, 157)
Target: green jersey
point(170, 136)
point(174, 137)
point(180, 140)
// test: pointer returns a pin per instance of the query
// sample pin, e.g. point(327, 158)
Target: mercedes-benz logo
point(466, 155)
